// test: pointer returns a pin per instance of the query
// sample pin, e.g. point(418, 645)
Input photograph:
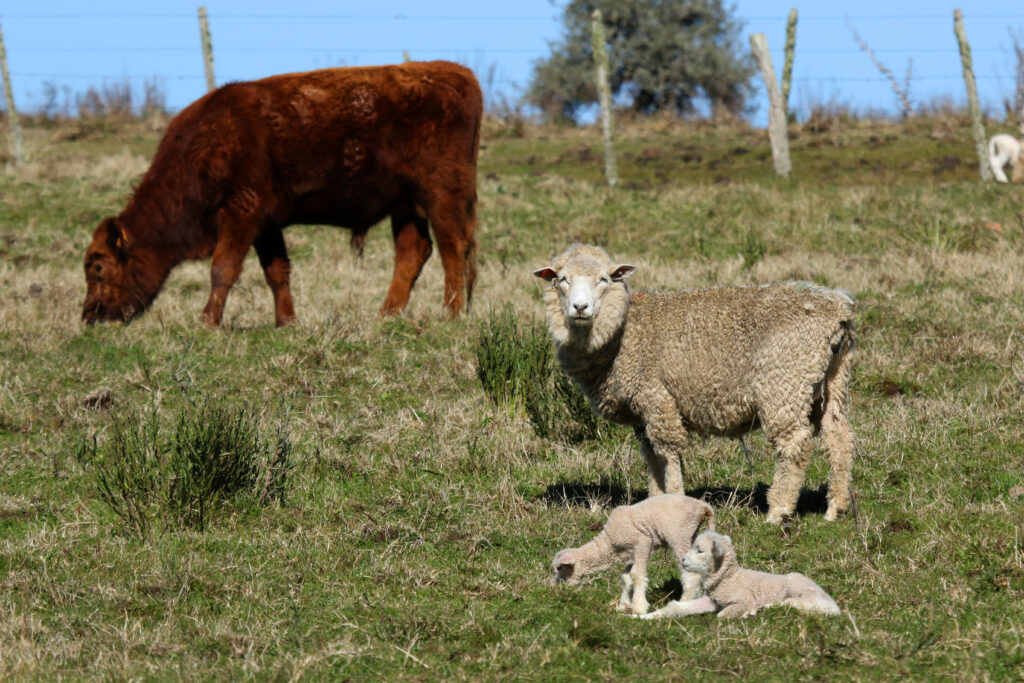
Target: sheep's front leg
point(682, 608)
point(666, 440)
point(638, 576)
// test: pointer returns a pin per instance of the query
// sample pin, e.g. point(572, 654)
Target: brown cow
point(342, 147)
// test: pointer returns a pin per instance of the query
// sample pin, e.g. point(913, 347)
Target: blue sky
point(73, 45)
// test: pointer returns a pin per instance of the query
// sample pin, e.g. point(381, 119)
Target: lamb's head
point(585, 282)
point(564, 568)
point(709, 552)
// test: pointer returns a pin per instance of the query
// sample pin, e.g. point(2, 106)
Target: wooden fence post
point(776, 110)
point(977, 126)
point(787, 67)
point(204, 38)
point(12, 113)
point(599, 47)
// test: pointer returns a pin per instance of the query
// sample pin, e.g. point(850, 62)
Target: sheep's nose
point(581, 307)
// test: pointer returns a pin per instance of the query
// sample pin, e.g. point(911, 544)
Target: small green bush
point(213, 454)
point(517, 367)
point(510, 359)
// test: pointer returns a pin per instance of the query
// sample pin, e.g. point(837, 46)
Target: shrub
point(212, 455)
point(517, 368)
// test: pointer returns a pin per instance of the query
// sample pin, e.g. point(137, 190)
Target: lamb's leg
point(638, 575)
point(691, 584)
point(626, 599)
point(793, 448)
point(737, 610)
point(682, 608)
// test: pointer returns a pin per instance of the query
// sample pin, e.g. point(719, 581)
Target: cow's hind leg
point(228, 256)
point(453, 219)
point(412, 249)
point(273, 255)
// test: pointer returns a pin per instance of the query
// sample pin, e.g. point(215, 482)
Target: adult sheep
point(345, 147)
point(716, 361)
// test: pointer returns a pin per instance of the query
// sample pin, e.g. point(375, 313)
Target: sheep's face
point(582, 281)
point(563, 569)
point(706, 554)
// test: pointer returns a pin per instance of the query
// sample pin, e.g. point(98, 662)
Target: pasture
point(419, 517)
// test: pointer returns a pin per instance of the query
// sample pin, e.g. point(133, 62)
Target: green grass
point(420, 516)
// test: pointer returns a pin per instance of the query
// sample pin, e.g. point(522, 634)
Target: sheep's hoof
point(832, 514)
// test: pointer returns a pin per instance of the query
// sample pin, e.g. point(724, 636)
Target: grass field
point(419, 518)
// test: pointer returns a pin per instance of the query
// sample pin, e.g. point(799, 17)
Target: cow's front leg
point(228, 257)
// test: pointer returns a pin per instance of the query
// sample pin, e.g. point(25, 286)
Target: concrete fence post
point(204, 38)
point(599, 47)
point(977, 126)
point(776, 111)
point(12, 113)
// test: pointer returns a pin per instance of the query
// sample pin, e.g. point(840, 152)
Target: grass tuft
point(149, 476)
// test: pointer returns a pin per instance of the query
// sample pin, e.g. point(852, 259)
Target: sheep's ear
point(623, 271)
point(718, 552)
point(546, 273)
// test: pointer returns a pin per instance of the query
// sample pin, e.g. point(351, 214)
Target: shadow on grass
point(612, 494)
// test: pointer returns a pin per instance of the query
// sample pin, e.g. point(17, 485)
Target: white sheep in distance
point(732, 591)
point(629, 536)
point(718, 361)
point(1005, 149)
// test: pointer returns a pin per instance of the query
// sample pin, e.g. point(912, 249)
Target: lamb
point(718, 361)
point(1005, 149)
point(629, 536)
point(736, 592)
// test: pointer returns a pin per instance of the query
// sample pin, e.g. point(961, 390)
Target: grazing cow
point(344, 147)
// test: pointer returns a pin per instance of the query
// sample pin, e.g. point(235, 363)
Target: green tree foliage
point(664, 54)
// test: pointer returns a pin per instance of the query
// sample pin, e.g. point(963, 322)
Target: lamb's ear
point(718, 552)
point(546, 273)
point(623, 271)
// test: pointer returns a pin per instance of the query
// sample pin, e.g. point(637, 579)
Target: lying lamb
point(736, 592)
point(1005, 149)
point(629, 536)
point(717, 361)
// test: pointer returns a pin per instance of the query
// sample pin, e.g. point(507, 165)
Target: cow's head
point(108, 296)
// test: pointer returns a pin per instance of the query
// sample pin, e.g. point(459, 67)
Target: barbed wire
point(454, 17)
point(199, 77)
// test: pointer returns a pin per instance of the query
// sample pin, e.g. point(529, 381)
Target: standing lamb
point(1005, 149)
point(718, 361)
point(736, 592)
point(629, 536)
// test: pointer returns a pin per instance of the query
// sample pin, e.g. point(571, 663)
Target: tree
point(664, 55)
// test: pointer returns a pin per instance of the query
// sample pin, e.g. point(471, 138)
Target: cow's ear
point(118, 239)
point(546, 273)
point(623, 271)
